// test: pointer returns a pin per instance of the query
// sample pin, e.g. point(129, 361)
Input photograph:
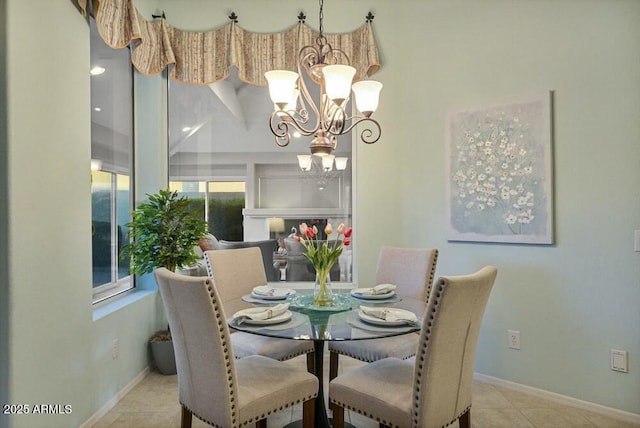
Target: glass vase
point(323, 296)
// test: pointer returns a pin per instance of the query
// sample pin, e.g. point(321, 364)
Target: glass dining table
point(343, 321)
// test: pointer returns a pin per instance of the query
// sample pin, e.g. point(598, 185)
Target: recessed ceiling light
point(186, 129)
point(97, 109)
point(296, 134)
point(97, 70)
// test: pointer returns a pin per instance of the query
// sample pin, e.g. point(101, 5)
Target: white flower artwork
point(499, 178)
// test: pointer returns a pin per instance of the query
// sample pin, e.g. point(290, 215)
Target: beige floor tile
point(154, 403)
point(498, 418)
point(486, 396)
point(556, 417)
point(144, 419)
point(602, 421)
point(522, 400)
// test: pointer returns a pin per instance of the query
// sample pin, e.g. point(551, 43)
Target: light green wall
point(575, 300)
point(572, 301)
point(53, 348)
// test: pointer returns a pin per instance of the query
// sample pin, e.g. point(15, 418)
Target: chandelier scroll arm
point(367, 136)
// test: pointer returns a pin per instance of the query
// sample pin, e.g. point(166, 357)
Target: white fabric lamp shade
point(282, 87)
point(304, 162)
point(367, 93)
point(337, 79)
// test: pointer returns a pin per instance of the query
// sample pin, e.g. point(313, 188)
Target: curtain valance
point(203, 57)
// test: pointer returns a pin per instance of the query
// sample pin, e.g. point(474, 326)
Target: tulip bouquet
point(323, 256)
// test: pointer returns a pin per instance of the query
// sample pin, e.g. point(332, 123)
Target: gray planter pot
point(164, 357)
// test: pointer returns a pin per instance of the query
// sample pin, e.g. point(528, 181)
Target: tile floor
point(153, 403)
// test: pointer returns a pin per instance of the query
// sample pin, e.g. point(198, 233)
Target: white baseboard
point(561, 399)
point(111, 403)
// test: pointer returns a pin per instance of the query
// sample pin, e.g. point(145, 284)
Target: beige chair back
point(235, 273)
point(411, 269)
point(206, 368)
point(443, 376)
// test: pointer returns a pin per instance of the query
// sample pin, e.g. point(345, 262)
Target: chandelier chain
point(321, 18)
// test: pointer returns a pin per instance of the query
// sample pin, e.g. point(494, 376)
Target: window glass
point(111, 164)
point(220, 202)
point(223, 154)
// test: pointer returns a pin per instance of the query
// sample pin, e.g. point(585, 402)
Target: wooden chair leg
point(333, 365)
point(464, 421)
point(308, 413)
point(185, 421)
point(311, 367)
point(262, 423)
point(338, 416)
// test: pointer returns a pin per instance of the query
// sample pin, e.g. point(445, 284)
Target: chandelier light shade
point(305, 162)
point(324, 117)
point(341, 163)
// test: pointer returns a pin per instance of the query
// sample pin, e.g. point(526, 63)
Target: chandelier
point(322, 169)
point(330, 69)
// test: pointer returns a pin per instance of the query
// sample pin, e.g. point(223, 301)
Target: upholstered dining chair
point(235, 273)
point(412, 271)
point(434, 390)
point(212, 384)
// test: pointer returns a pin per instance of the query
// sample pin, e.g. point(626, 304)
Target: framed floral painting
point(499, 175)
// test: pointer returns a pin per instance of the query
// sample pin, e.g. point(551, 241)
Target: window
point(111, 164)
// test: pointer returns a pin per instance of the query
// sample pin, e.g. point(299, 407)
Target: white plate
point(279, 294)
point(356, 293)
point(286, 316)
point(379, 321)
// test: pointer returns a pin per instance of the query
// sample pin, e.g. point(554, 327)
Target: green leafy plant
point(162, 233)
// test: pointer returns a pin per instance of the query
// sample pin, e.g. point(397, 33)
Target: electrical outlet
point(513, 339)
point(115, 349)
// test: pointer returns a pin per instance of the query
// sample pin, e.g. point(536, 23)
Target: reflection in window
point(220, 202)
point(111, 164)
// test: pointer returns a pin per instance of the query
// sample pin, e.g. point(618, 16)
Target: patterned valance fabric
point(203, 57)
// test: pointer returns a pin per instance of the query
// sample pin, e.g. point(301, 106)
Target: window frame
point(117, 285)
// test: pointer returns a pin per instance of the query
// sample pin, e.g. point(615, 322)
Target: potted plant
point(163, 233)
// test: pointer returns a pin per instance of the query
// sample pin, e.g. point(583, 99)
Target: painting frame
point(499, 172)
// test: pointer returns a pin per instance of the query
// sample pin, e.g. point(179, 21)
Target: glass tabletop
point(342, 323)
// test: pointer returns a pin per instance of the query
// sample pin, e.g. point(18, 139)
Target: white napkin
point(390, 314)
point(378, 289)
point(264, 290)
point(261, 313)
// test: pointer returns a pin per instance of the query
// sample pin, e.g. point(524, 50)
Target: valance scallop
point(203, 57)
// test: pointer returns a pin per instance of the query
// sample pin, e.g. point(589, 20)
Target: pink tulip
point(347, 241)
point(347, 232)
point(341, 229)
point(297, 238)
point(328, 229)
point(303, 229)
point(311, 232)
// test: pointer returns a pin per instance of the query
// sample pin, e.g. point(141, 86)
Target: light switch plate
point(619, 360)
point(636, 240)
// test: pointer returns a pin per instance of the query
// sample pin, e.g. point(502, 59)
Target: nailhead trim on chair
point(436, 305)
point(228, 358)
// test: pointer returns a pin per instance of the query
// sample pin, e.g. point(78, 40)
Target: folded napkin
point(261, 313)
point(378, 289)
point(390, 314)
point(264, 290)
